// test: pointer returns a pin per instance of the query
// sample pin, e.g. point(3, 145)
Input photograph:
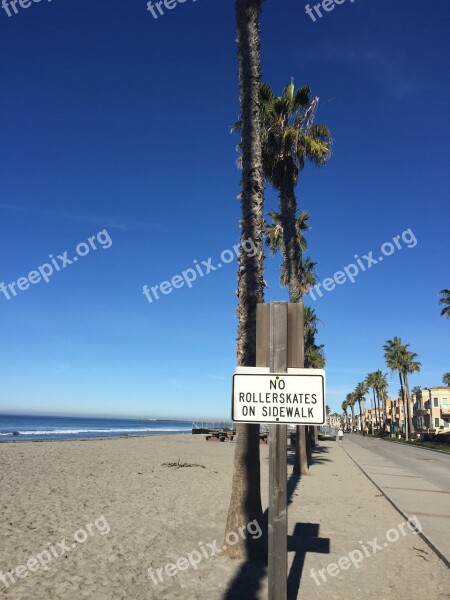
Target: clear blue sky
point(112, 119)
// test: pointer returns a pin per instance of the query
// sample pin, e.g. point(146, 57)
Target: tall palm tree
point(399, 358)
point(445, 300)
point(381, 387)
point(274, 240)
point(314, 354)
point(344, 410)
point(245, 502)
point(289, 139)
point(360, 392)
point(392, 356)
point(446, 379)
point(351, 399)
point(371, 382)
point(410, 366)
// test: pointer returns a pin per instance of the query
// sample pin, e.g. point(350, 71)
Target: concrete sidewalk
point(337, 513)
point(407, 486)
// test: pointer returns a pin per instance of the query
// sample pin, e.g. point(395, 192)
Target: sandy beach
point(88, 519)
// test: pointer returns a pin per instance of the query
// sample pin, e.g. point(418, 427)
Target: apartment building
point(432, 410)
point(431, 413)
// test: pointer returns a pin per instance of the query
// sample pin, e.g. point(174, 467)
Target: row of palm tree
point(398, 358)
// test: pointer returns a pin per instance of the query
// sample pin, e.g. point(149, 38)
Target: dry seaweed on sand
point(179, 464)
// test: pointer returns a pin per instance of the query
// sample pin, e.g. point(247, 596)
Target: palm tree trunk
point(361, 417)
point(288, 206)
point(377, 410)
point(408, 405)
point(245, 503)
point(316, 435)
point(353, 417)
point(377, 401)
point(301, 452)
point(402, 392)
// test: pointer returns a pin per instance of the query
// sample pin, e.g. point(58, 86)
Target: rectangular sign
point(293, 398)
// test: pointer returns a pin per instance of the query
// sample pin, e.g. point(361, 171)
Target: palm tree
point(445, 300)
point(446, 379)
point(399, 358)
point(381, 387)
point(289, 139)
point(371, 382)
point(351, 399)
point(360, 392)
point(314, 354)
point(274, 240)
point(245, 502)
point(344, 410)
point(410, 366)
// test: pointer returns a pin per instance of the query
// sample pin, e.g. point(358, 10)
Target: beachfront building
point(375, 419)
point(432, 410)
point(334, 420)
point(395, 414)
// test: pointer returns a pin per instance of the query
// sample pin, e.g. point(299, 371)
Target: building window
point(446, 424)
point(445, 402)
point(435, 402)
point(436, 421)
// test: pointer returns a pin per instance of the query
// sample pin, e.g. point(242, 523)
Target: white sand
point(157, 514)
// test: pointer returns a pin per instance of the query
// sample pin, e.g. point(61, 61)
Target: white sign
point(294, 398)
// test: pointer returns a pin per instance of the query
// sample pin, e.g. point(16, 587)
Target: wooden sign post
point(279, 341)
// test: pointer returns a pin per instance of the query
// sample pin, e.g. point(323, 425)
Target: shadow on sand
point(247, 583)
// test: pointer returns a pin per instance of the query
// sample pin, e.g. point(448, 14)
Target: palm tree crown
point(445, 300)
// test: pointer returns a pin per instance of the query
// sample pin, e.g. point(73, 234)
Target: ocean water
point(22, 428)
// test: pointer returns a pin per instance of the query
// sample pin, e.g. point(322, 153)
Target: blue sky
point(114, 120)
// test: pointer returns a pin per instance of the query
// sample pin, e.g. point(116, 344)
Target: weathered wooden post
point(279, 342)
point(297, 397)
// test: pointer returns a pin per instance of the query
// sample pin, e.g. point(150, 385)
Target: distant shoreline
point(95, 439)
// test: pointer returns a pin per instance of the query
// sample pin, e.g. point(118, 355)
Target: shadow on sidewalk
point(248, 581)
point(305, 539)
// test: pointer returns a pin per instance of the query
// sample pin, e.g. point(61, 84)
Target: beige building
point(432, 411)
point(391, 417)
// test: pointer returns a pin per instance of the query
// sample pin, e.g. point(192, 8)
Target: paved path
point(416, 481)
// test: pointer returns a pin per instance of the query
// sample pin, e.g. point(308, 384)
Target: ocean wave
point(77, 431)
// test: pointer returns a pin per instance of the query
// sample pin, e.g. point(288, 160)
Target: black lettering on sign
point(279, 384)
